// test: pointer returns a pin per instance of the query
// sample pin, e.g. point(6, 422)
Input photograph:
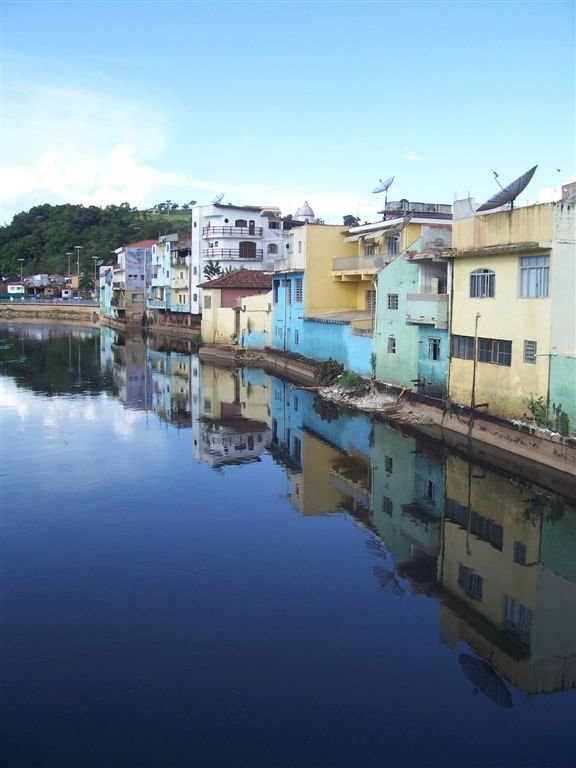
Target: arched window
point(272, 248)
point(240, 223)
point(482, 284)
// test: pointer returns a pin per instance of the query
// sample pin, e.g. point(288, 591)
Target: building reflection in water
point(496, 553)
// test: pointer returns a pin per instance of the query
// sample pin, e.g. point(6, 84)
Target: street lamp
point(77, 249)
point(95, 259)
point(21, 263)
point(69, 253)
point(168, 203)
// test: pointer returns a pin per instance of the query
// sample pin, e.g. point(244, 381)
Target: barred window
point(392, 345)
point(370, 300)
point(534, 273)
point(495, 351)
point(470, 582)
point(530, 351)
point(392, 246)
point(433, 348)
point(299, 292)
point(482, 284)
point(392, 301)
point(463, 347)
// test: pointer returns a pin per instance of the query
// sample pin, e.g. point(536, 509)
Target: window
point(430, 491)
point(296, 337)
point(207, 302)
point(463, 347)
point(288, 292)
point(195, 271)
point(392, 246)
point(247, 249)
point(530, 352)
point(433, 348)
point(272, 248)
point(392, 301)
point(482, 284)
point(296, 448)
point(240, 223)
point(519, 553)
point(534, 272)
point(370, 300)
point(495, 351)
point(368, 249)
point(392, 345)
point(470, 582)
point(276, 286)
point(299, 293)
point(299, 246)
point(194, 297)
point(387, 505)
point(273, 224)
point(517, 618)
point(388, 464)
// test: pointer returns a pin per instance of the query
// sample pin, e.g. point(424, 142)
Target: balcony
point(427, 309)
point(293, 262)
point(357, 267)
point(180, 308)
point(156, 303)
point(232, 253)
point(232, 231)
point(179, 282)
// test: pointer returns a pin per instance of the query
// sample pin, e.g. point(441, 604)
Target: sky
point(274, 103)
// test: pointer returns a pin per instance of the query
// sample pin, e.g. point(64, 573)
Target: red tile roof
point(241, 278)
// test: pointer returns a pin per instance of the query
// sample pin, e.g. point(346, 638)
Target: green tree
point(212, 269)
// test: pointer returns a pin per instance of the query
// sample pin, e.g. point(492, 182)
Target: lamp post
point(69, 253)
point(77, 249)
point(21, 267)
point(96, 287)
point(168, 204)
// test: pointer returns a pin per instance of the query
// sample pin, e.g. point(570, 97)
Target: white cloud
point(75, 146)
point(410, 155)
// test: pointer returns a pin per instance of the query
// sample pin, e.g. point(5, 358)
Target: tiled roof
point(241, 278)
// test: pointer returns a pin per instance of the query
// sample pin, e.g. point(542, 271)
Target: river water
point(208, 568)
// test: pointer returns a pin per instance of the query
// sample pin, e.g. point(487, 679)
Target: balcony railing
point(156, 303)
point(232, 253)
point(232, 231)
point(427, 309)
point(179, 282)
point(180, 308)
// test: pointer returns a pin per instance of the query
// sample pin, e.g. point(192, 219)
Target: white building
point(234, 236)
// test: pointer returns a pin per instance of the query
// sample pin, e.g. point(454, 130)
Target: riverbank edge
point(521, 449)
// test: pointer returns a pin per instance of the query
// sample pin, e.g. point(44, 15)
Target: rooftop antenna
point(508, 194)
point(217, 199)
point(383, 187)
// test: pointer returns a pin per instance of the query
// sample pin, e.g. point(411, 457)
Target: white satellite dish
point(383, 186)
point(218, 198)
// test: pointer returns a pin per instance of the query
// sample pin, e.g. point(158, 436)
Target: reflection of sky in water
point(156, 612)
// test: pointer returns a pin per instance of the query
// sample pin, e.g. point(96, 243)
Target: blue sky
point(274, 103)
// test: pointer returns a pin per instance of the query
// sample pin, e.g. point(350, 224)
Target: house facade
point(225, 301)
point(129, 280)
point(232, 237)
point(513, 326)
point(411, 319)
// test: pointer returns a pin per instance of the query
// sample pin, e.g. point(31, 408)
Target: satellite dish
point(383, 186)
point(510, 193)
point(218, 198)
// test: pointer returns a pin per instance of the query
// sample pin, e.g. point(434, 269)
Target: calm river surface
point(206, 568)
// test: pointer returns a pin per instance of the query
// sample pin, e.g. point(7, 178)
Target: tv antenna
point(218, 198)
point(383, 187)
point(508, 194)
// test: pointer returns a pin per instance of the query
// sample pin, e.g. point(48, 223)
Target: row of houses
point(474, 308)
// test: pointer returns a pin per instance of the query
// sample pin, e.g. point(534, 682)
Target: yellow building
point(513, 318)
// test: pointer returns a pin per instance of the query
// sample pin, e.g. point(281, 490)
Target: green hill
point(44, 235)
